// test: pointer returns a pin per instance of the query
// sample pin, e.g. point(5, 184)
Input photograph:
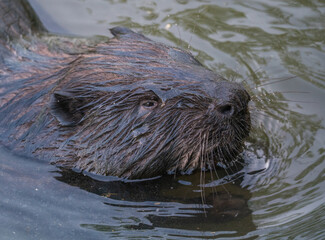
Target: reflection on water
point(168, 202)
point(277, 49)
point(41, 200)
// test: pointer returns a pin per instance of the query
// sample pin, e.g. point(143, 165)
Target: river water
point(277, 49)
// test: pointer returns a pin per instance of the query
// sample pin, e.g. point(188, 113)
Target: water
point(277, 49)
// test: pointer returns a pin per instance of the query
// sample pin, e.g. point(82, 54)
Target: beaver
point(127, 107)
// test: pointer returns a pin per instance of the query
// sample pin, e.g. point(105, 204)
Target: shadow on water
point(170, 202)
point(44, 202)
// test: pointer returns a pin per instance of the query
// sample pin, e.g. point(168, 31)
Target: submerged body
point(128, 107)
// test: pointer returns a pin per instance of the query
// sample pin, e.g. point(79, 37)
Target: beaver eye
point(149, 104)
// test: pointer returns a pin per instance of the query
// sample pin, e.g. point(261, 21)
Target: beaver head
point(135, 108)
point(129, 107)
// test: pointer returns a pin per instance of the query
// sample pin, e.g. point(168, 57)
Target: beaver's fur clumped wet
point(130, 107)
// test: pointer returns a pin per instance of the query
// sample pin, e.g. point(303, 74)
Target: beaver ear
point(118, 31)
point(180, 55)
point(123, 32)
point(66, 108)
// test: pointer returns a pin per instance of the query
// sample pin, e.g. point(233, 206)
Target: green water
point(277, 49)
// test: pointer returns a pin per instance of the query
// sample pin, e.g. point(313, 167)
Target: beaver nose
point(231, 98)
point(226, 109)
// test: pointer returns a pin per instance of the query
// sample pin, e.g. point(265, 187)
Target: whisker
point(295, 101)
point(300, 92)
point(202, 173)
point(276, 81)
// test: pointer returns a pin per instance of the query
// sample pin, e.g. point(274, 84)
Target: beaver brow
point(144, 94)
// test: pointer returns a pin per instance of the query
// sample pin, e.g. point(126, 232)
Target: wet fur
point(87, 110)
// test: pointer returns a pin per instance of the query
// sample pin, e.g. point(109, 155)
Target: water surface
point(277, 49)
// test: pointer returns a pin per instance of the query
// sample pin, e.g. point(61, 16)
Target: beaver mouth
point(228, 154)
point(227, 142)
point(224, 153)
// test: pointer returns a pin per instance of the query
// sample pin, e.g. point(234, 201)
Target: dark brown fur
point(128, 107)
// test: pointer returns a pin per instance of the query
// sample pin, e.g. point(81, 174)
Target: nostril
point(226, 109)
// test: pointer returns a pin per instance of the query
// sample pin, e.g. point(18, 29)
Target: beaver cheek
point(137, 133)
point(143, 112)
